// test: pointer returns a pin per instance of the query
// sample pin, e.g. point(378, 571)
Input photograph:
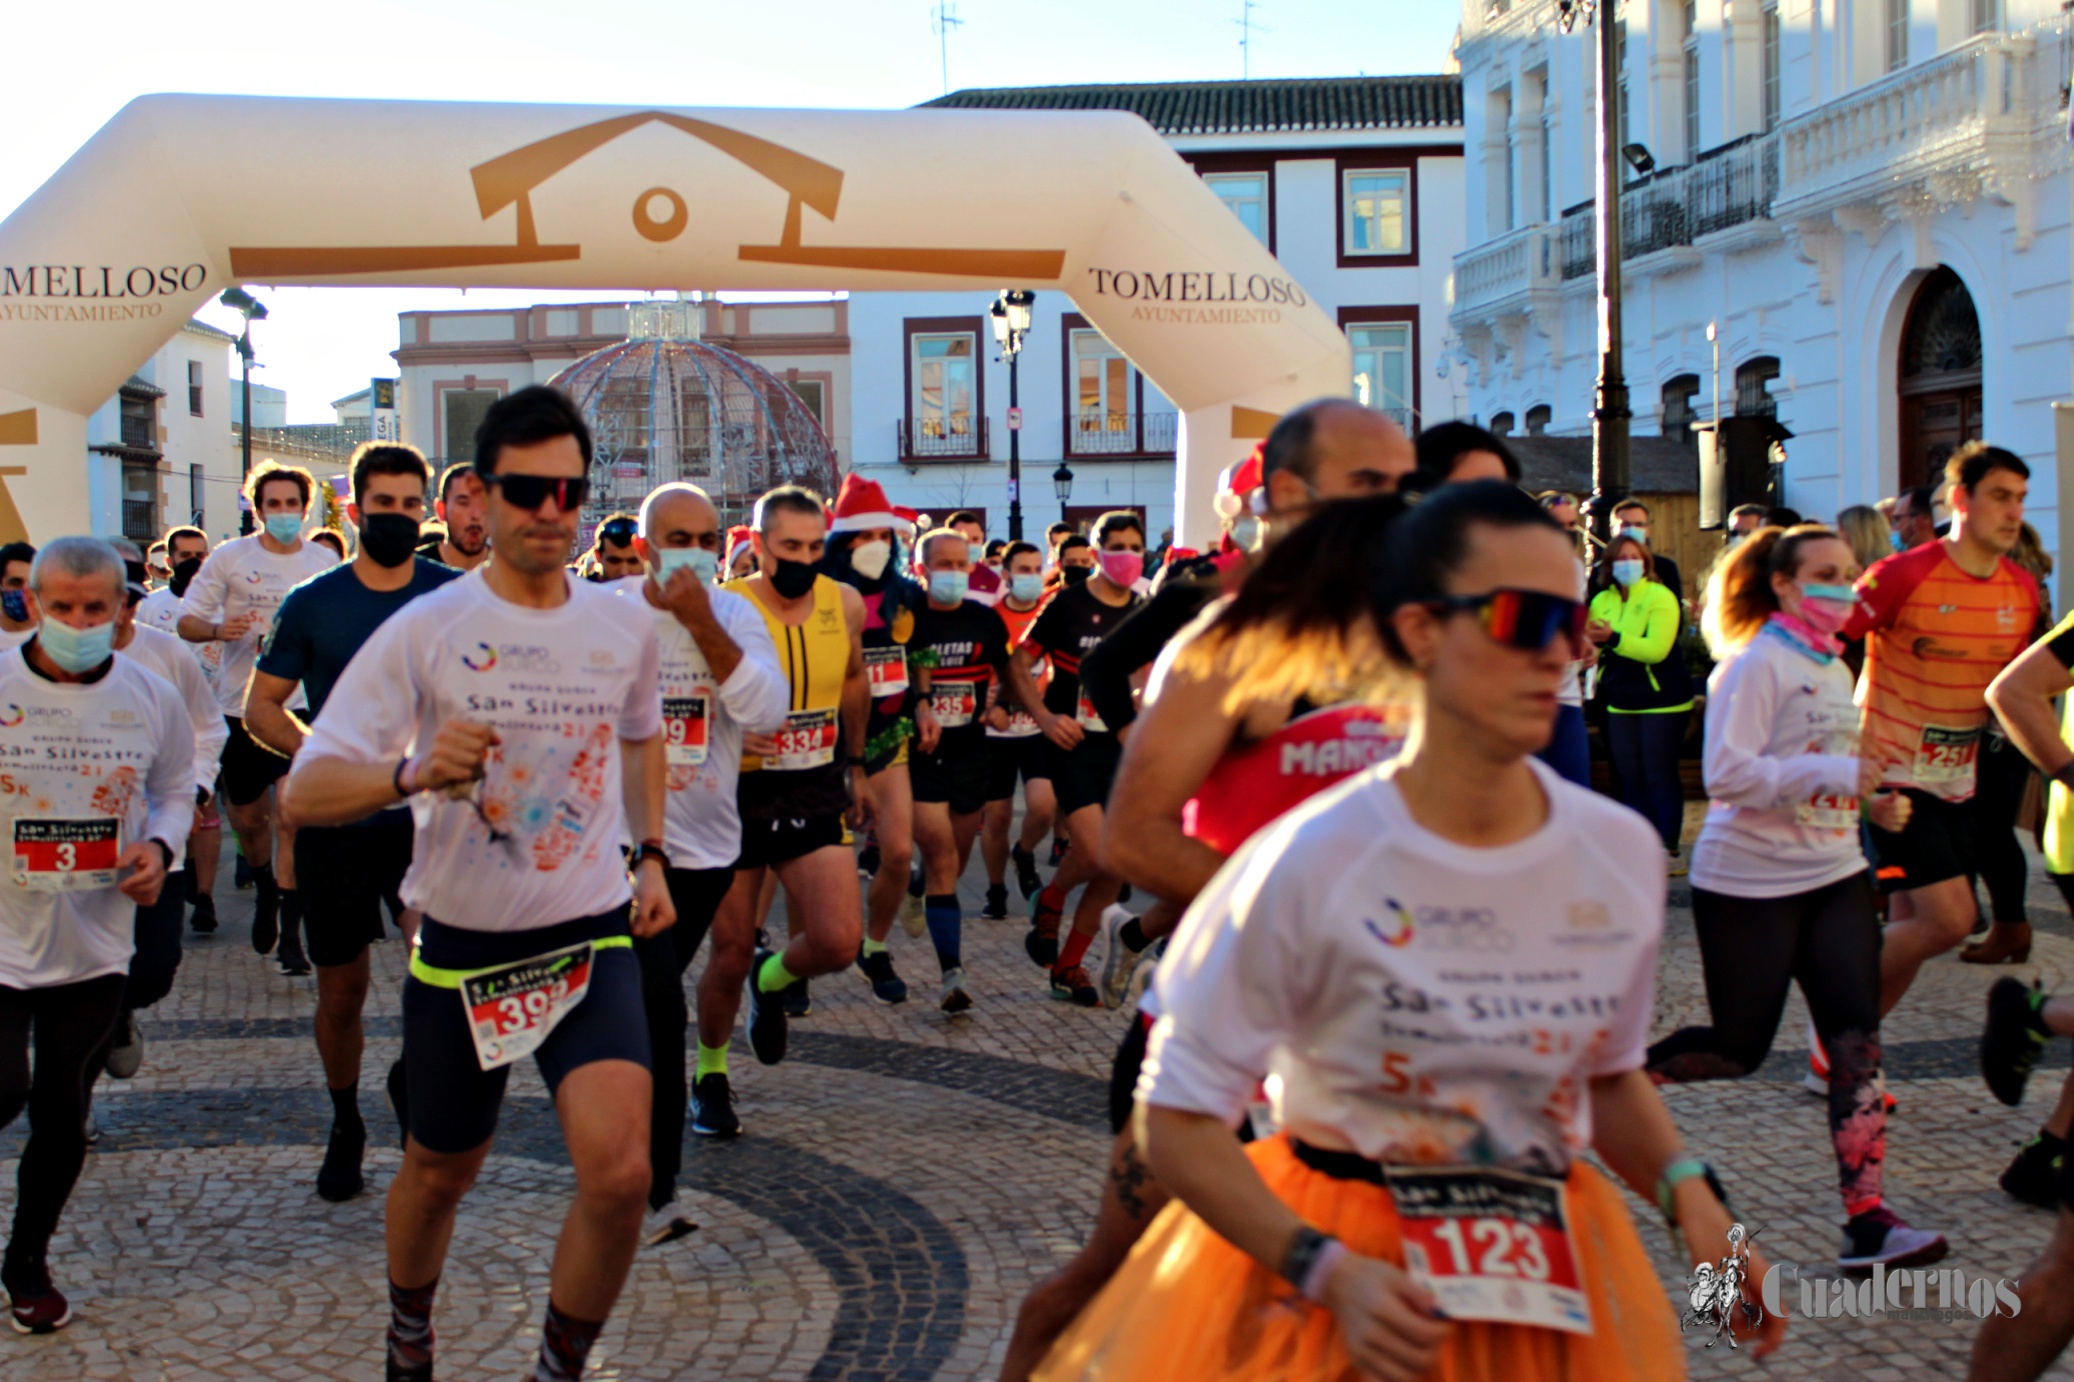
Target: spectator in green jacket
point(1648, 691)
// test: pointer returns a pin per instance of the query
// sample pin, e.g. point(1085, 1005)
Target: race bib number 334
point(1491, 1245)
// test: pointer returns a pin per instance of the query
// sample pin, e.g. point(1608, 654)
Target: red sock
point(1051, 898)
point(1075, 950)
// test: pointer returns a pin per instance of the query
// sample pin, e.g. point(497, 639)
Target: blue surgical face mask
point(284, 527)
point(1627, 572)
point(78, 651)
point(1894, 538)
point(1630, 530)
point(670, 560)
point(948, 587)
point(1026, 587)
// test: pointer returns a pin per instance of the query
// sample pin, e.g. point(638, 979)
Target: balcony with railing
point(1506, 268)
point(1728, 187)
point(140, 520)
point(960, 437)
point(1121, 434)
point(140, 432)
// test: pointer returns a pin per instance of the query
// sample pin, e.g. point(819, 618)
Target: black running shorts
point(766, 844)
point(1082, 775)
point(344, 873)
point(1936, 844)
point(1027, 756)
point(249, 768)
point(959, 778)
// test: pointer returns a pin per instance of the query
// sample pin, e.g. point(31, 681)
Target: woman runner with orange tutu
point(1447, 966)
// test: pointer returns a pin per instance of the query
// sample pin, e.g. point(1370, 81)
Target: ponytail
point(1739, 595)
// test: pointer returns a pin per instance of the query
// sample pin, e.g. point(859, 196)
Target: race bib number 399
point(511, 1009)
point(1491, 1245)
point(684, 730)
point(66, 855)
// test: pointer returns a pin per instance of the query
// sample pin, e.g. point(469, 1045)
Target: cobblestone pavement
point(905, 1179)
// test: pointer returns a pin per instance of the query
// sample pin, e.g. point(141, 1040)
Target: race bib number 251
point(1491, 1245)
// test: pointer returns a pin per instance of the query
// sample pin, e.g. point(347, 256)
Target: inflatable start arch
point(179, 197)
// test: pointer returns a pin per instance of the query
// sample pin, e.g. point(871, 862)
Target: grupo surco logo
point(11, 716)
point(93, 292)
point(512, 657)
point(1201, 297)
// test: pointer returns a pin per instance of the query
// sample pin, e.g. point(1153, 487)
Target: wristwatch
point(165, 850)
point(649, 849)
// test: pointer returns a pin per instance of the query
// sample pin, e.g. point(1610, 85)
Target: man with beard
point(465, 544)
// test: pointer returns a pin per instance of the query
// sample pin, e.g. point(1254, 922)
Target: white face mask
point(868, 559)
point(1245, 532)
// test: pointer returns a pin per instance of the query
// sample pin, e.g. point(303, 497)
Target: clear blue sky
point(324, 343)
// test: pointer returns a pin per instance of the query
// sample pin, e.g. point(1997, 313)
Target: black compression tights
point(70, 1021)
point(1827, 940)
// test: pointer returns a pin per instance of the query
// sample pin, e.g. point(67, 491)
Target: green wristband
point(1682, 1169)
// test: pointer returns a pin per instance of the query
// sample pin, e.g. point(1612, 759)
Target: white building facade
point(1869, 197)
point(1355, 184)
point(161, 453)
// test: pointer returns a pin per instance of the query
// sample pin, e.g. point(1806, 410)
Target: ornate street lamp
point(253, 310)
point(1062, 481)
point(1010, 315)
point(1611, 474)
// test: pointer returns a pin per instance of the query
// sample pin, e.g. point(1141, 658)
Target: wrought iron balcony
point(1731, 186)
point(140, 520)
point(139, 432)
point(1121, 434)
point(961, 437)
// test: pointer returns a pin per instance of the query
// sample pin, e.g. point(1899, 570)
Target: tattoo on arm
point(1131, 1178)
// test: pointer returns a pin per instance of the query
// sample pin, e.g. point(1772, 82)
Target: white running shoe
point(1120, 963)
point(1816, 1081)
point(127, 1054)
point(956, 999)
point(666, 1225)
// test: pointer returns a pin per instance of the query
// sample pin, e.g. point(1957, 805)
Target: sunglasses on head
point(531, 491)
point(619, 532)
point(1525, 619)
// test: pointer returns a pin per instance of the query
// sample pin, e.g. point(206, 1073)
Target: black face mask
point(793, 579)
point(389, 539)
point(1076, 575)
point(183, 572)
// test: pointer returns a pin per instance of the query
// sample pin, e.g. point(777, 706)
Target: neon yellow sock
point(775, 976)
point(712, 1060)
point(872, 947)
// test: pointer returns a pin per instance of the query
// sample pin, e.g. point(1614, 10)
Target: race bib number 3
point(886, 670)
point(1946, 755)
point(1491, 1245)
point(53, 856)
point(684, 730)
point(807, 741)
point(511, 1009)
point(954, 705)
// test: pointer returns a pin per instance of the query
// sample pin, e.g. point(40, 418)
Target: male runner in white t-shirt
point(518, 710)
point(186, 549)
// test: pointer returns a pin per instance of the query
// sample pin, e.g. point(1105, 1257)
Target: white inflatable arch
point(179, 197)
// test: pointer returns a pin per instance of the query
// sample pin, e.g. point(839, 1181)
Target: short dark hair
point(1016, 549)
point(964, 516)
point(372, 458)
point(1071, 542)
point(1779, 516)
point(1633, 503)
point(331, 537)
point(452, 473)
point(598, 539)
point(1058, 529)
point(997, 546)
point(1116, 521)
point(1920, 500)
point(268, 472)
point(1445, 443)
point(534, 414)
point(16, 551)
point(1976, 460)
point(185, 530)
point(788, 499)
point(1743, 510)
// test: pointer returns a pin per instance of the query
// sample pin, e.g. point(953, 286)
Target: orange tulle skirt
point(1188, 1305)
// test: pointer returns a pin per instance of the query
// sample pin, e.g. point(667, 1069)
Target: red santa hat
point(861, 505)
point(1239, 481)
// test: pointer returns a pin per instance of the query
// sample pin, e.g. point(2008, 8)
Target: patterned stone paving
point(906, 1178)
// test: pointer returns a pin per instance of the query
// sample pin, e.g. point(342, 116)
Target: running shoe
point(294, 963)
point(1042, 942)
point(204, 918)
point(868, 859)
point(2013, 1040)
point(266, 916)
point(1120, 964)
point(2034, 1177)
point(1026, 878)
point(666, 1224)
point(1073, 986)
point(128, 1052)
point(886, 986)
point(36, 1306)
point(766, 1014)
point(996, 908)
point(393, 1373)
point(914, 916)
point(91, 1131)
point(1816, 1081)
point(955, 997)
point(798, 1001)
point(1880, 1238)
point(1059, 845)
point(339, 1178)
point(1674, 864)
point(713, 1107)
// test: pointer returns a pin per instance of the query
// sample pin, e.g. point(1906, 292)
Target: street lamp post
point(252, 309)
point(1011, 318)
point(1062, 481)
point(1610, 411)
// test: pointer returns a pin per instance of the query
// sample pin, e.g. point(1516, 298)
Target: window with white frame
point(1104, 395)
point(1985, 16)
point(1382, 367)
point(194, 388)
point(1246, 195)
point(1897, 34)
point(944, 382)
point(1689, 85)
point(1768, 68)
point(1378, 211)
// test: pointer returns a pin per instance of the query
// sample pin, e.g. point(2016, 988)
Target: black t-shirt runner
point(967, 649)
point(1071, 625)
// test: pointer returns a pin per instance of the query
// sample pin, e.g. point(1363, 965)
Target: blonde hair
point(1866, 530)
point(1739, 593)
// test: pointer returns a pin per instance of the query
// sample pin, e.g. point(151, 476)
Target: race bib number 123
point(1491, 1245)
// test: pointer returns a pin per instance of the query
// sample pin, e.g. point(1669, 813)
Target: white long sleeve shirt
point(168, 656)
point(1416, 1000)
point(242, 577)
point(1781, 766)
point(561, 687)
point(703, 723)
point(87, 769)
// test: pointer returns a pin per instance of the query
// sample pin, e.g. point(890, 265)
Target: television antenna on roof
point(1248, 27)
point(943, 18)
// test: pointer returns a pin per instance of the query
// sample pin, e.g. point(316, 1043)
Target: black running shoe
point(35, 1306)
point(399, 1101)
point(266, 916)
point(293, 962)
point(1059, 845)
point(2013, 1040)
point(392, 1373)
point(886, 986)
point(868, 860)
point(1026, 878)
point(204, 918)
point(713, 1107)
point(1041, 943)
point(1882, 1239)
point(997, 903)
point(339, 1178)
point(798, 1001)
point(766, 1014)
point(2034, 1177)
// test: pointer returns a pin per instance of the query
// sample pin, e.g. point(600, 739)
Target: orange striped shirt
point(1935, 637)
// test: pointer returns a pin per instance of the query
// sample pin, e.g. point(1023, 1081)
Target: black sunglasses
point(1525, 619)
point(531, 491)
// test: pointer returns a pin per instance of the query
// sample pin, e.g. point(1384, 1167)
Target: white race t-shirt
point(86, 770)
point(161, 610)
point(168, 656)
point(1781, 767)
point(703, 723)
point(561, 686)
point(1418, 1000)
point(240, 577)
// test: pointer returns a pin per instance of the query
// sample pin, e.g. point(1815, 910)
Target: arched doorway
point(1940, 383)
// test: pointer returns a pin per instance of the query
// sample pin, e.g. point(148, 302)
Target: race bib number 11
point(1491, 1245)
point(53, 856)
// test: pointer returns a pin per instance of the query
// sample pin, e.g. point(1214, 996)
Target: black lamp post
point(1062, 481)
point(253, 310)
point(1010, 315)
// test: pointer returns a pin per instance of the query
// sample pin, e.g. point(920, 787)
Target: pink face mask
point(1824, 610)
point(1122, 568)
